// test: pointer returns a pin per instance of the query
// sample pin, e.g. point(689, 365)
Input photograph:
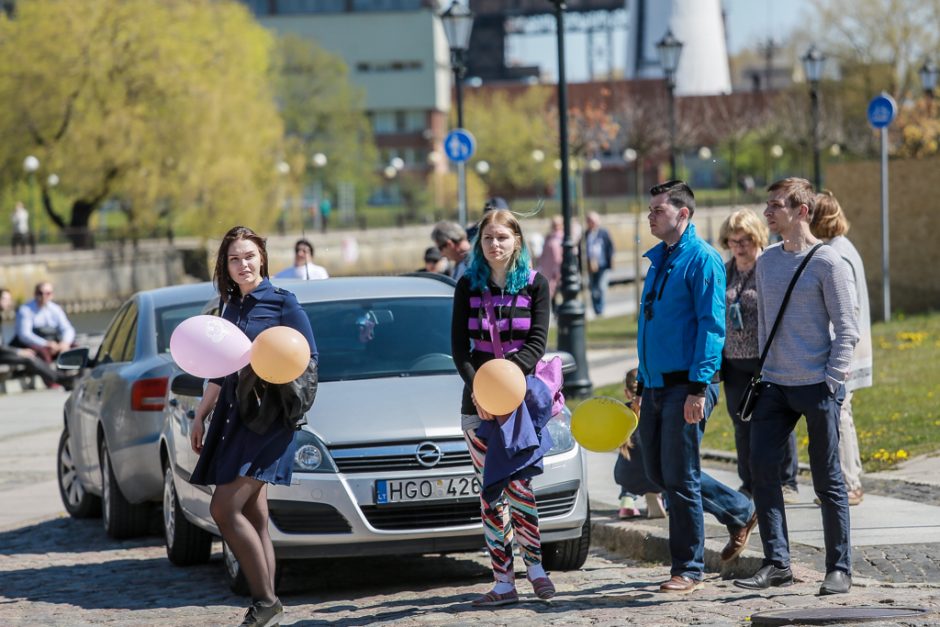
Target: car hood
point(384, 410)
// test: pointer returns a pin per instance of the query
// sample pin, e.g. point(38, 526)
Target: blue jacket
point(682, 316)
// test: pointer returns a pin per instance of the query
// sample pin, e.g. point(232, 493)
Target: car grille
point(294, 517)
point(454, 514)
point(398, 456)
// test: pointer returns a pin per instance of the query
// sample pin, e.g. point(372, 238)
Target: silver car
point(109, 451)
point(381, 466)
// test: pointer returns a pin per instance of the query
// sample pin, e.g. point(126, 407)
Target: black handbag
point(261, 403)
point(752, 392)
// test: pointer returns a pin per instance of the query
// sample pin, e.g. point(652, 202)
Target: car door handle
point(100, 390)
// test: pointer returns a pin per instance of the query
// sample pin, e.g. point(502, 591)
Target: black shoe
point(836, 582)
point(766, 577)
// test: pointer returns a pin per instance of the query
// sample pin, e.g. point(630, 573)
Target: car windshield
point(396, 337)
point(168, 318)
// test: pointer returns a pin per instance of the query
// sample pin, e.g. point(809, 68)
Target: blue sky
point(749, 21)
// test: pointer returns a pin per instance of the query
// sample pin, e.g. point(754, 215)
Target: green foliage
point(323, 113)
point(508, 130)
point(162, 106)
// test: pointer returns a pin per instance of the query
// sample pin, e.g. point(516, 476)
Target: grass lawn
point(897, 418)
point(613, 332)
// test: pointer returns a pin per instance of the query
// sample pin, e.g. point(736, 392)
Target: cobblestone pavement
point(65, 572)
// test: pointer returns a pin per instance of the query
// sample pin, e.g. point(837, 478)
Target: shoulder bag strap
point(491, 318)
point(783, 306)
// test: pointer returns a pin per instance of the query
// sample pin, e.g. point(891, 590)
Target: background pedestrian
point(303, 267)
point(43, 326)
point(22, 234)
point(629, 472)
point(599, 250)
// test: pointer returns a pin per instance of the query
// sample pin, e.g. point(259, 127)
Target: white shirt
point(21, 220)
point(311, 272)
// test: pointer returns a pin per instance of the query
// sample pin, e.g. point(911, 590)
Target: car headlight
point(311, 454)
point(560, 429)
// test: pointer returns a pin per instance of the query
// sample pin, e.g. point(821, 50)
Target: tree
point(508, 130)
point(323, 113)
point(163, 107)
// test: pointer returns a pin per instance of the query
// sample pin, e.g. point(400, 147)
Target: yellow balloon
point(499, 386)
point(280, 354)
point(602, 424)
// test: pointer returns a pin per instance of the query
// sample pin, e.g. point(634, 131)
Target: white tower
point(698, 24)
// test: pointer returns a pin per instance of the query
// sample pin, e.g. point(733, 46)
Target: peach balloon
point(280, 354)
point(499, 386)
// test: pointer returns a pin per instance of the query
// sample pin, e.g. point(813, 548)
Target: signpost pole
point(462, 193)
point(885, 282)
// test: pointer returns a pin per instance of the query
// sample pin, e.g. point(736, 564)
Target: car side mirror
point(74, 359)
point(187, 385)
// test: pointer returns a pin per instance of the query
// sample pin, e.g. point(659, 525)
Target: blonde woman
point(830, 225)
point(746, 236)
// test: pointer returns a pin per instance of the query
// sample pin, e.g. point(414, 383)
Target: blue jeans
point(778, 409)
point(598, 282)
point(671, 453)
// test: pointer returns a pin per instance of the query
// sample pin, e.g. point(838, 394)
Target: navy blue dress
point(231, 450)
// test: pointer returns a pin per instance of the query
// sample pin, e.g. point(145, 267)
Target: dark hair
point(226, 286)
point(678, 193)
point(496, 202)
point(304, 242)
point(432, 254)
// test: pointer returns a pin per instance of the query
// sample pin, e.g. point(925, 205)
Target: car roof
point(341, 288)
point(355, 288)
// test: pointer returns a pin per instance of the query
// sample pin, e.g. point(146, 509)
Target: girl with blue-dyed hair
point(500, 267)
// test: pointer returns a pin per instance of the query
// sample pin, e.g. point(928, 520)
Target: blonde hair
point(747, 222)
point(829, 220)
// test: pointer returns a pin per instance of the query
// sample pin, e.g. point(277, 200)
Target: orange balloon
point(499, 386)
point(280, 354)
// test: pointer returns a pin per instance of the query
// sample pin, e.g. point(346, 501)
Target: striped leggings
point(522, 515)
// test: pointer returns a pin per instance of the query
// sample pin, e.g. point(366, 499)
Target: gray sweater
point(803, 352)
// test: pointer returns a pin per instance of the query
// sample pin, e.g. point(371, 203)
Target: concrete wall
point(103, 278)
point(914, 210)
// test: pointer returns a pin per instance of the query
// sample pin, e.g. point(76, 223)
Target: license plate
point(436, 489)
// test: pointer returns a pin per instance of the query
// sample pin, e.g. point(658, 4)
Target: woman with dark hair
point(238, 461)
point(500, 270)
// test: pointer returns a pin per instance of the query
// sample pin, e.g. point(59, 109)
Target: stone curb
point(648, 541)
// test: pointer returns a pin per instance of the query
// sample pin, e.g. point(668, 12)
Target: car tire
point(234, 576)
point(122, 519)
point(77, 501)
point(186, 544)
point(568, 554)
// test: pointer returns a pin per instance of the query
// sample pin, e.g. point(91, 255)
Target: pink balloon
point(209, 347)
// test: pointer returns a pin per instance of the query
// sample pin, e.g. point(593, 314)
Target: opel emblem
point(428, 454)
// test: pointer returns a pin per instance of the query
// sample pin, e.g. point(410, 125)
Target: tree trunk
point(78, 231)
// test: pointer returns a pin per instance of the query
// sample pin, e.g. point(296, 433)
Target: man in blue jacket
point(681, 334)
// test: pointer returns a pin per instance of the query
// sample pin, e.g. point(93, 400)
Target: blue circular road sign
point(881, 110)
point(459, 145)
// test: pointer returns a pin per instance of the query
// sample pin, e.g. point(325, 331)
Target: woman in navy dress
point(238, 461)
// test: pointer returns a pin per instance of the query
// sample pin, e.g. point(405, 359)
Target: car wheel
point(122, 519)
point(186, 544)
point(568, 554)
point(78, 503)
point(233, 572)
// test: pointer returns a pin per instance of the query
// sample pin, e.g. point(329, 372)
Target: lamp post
point(813, 62)
point(669, 49)
point(631, 156)
point(928, 80)
point(458, 24)
point(571, 311)
point(30, 166)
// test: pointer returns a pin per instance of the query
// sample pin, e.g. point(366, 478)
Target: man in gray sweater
point(803, 375)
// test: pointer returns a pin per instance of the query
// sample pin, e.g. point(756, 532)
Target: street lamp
point(813, 62)
point(571, 312)
point(458, 24)
point(30, 165)
point(483, 167)
point(669, 49)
